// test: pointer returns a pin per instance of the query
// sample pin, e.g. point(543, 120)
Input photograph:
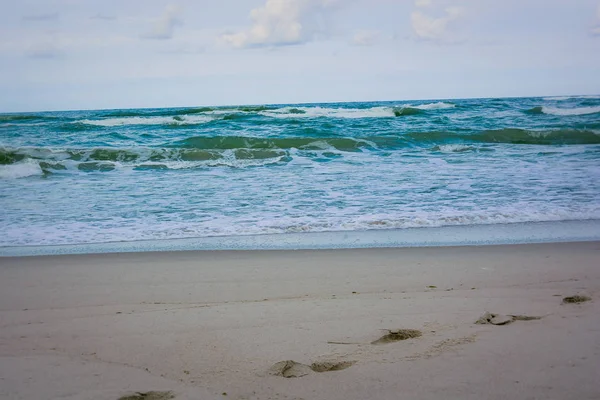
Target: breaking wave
point(196, 116)
point(4, 118)
point(139, 120)
point(240, 151)
point(22, 169)
point(563, 111)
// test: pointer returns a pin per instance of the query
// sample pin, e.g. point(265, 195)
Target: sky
point(107, 54)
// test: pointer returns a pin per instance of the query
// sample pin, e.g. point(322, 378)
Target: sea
point(464, 171)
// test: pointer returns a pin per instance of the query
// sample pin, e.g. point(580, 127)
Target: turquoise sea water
point(154, 174)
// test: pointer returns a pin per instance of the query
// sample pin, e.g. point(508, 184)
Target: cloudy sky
point(77, 54)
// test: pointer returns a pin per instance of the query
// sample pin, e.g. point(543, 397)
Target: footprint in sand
point(293, 369)
point(149, 396)
point(393, 335)
point(396, 335)
point(325, 366)
point(578, 298)
point(499, 319)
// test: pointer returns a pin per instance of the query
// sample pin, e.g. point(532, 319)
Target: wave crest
point(242, 142)
point(22, 169)
point(195, 116)
point(563, 112)
point(407, 111)
point(22, 117)
point(143, 120)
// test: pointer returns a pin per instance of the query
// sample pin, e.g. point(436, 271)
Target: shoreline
point(445, 236)
point(204, 323)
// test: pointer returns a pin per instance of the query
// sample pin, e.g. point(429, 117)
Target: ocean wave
point(135, 120)
point(206, 148)
point(454, 148)
point(511, 136)
point(169, 112)
point(570, 111)
point(410, 110)
point(563, 98)
point(322, 112)
point(407, 111)
point(342, 112)
point(435, 106)
point(27, 161)
point(157, 113)
point(22, 117)
point(304, 143)
point(535, 110)
point(192, 116)
point(20, 170)
point(563, 111)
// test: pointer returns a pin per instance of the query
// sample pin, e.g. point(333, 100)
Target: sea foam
point(20, 170)
point(571, 111)
point(176, 120)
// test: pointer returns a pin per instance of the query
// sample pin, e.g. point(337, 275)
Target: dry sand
point(215, 325)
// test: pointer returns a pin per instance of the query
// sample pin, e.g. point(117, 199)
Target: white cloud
point(366, 38)
point(435, 28)
point(165, 25)
point(282, 22)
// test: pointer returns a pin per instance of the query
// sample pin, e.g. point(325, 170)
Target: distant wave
point(535, 110)
point(435, 106)
point(410, 110)
point(329, 112)
point(407, 111)
point(166, 112)
point(563, 111)
point(196, 116)
point(139, 120)
point(563, 98)
point(156, 113)
point(571, 111)
point(23, 117)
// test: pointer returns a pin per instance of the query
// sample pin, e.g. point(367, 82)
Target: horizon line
point(299, 103)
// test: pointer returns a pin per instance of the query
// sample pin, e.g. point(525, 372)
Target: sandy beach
point(211, 325)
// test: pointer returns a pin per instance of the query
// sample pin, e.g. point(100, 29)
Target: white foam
point(316, 112)
point(454, 148)
point(541, 232)
point(434, 106)
point(350, 113)
point(285, 112)
point(117, 229)
point(20, 170)
point(570, 111)
point(181, 120)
